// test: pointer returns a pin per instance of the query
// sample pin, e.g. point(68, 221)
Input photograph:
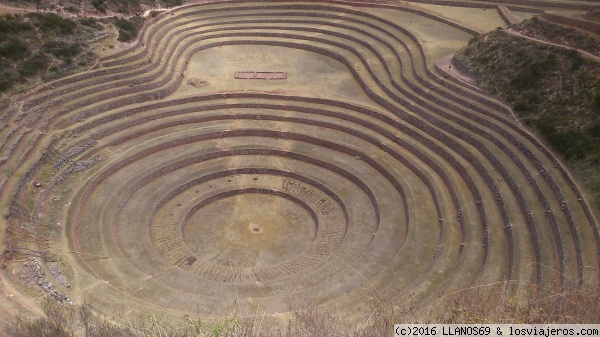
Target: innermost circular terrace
point(249, 230)
point(213, 70)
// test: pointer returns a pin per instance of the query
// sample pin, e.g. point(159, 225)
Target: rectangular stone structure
point(261, 75)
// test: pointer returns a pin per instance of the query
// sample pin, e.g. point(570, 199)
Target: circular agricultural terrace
point(166, 184)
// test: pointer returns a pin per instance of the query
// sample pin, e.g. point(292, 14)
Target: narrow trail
point(588, 54)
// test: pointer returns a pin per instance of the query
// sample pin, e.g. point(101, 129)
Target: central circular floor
point(249, 230)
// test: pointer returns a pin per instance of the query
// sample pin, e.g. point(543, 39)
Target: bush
point(594, 130)
point(7, 80)
point(72, 9)
point(173, 3)
point(128, 29)
point(99, 5)
point(13, 48)
point(13, 24)
point(63, 49)
point(596, 103)
point(47, 22)
point(521, 106)
point(574, 144)
point(529, 77)
point(576, 59)
point(34, 65)
point(92, 23)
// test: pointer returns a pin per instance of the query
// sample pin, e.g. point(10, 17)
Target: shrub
point(47, 22)
point(13, 48)
point(12, 24)
point(34, 65)
point(594, 130)
point(7, 80)
point(173, 3)
point(529, 77)
point(63, 49)
point(576, 59)
point(99, 5)
point(128, 29)
point(521, 106)
point(596, 102)
point(92, 23)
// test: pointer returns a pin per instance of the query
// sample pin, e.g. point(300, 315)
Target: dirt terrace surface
point(165, 184)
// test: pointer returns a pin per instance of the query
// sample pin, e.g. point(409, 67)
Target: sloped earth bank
point(159, 183)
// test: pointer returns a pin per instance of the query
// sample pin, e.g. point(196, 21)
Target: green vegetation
point(42, 44)
point(128, 28)
point(592, 15)
point(554, 90)
point(34, 65)
point(13, 48)
point(11, 24)
point(50, 22)
point(63, 49)
point(559, 34)
point(100, 5)
point(127, 7)
point(92, 23)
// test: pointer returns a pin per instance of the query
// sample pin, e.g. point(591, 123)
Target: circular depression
point(249, 230)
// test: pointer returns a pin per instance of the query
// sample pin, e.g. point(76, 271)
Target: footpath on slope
point(583, 52)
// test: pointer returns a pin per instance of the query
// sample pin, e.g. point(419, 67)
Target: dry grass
point(537, 306)
point(477, 305)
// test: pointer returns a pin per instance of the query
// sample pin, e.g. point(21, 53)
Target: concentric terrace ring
point(390, 182)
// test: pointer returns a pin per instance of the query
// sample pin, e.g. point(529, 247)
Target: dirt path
point(588, 54)
point(445, 64)
point(13, 10)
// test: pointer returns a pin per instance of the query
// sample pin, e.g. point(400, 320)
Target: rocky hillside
point(43, 46)
point(554, 90)
point(99, 7)
point(40, 46)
